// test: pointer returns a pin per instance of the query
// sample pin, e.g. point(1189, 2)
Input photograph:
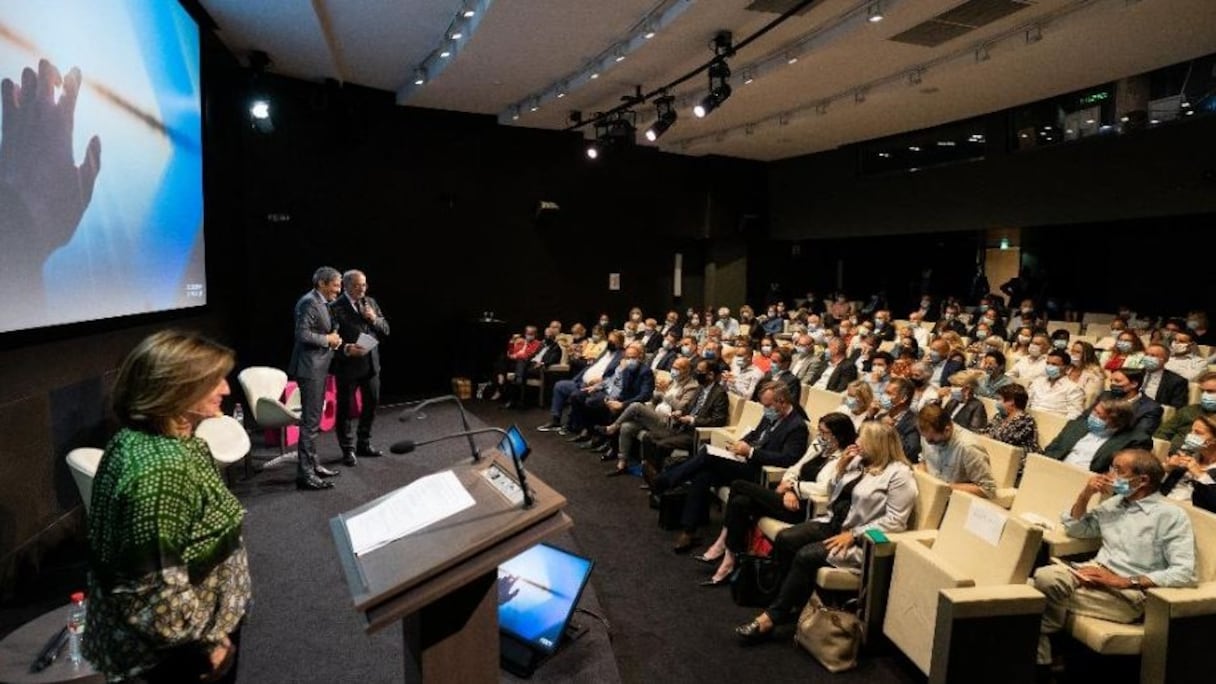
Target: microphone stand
point(414, 408)
point(407, 445)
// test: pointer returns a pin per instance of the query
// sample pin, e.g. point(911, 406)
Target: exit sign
point(1095, 98)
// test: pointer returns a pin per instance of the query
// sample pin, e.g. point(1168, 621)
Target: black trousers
point(369, 387)
point(703, 471)
point(749, 501)
point(799, 552)
point(189, 663)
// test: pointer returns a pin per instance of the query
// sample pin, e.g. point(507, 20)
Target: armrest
point(994, 600)
point(923, 537)
point(1182, 602)
point(930, 567)
point(1004, 497)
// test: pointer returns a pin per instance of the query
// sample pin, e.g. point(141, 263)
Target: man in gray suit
point(316, 338)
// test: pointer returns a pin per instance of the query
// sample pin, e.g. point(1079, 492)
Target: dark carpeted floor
point(660, 625)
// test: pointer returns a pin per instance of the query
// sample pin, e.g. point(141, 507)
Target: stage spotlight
point(259, 115)
point(666, 116)
point(874, 13)
point(419, 76)
point(719, 90)
point(593, 151)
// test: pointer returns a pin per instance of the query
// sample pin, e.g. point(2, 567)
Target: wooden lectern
point(442, 581)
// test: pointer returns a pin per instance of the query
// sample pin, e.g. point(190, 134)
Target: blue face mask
point(675, 373)
point(884, 402)
point(935, 357)
point(1096, 425)
point(851, 403)
point(1208, 401)
point(1122, 486)
point(686, 350)
point(1123, 346)
point(709, 354)
point(1051, 371)
point(981, 334)
point(1059, 344)
point(1194, 442)
point(802, 350)
point(1150, 363)
point(771, 414)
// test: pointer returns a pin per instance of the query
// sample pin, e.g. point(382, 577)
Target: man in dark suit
point(316, 338)
point(779, 370)
point(710, 408)
point(566, 392)
point(779, 440)
point(894, 407)
point(356, 367)
point(1126, 385)
point(839, 370)
point(1092, 440)
point(1163, 386)
point(668, 352)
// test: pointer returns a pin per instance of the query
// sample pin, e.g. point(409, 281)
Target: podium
point(441, 582)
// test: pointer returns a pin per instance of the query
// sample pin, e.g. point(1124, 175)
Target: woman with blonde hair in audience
point(1019, 346)
point(1085, 370)
point(858, 397)
point(1128, 351)
point(873, 489)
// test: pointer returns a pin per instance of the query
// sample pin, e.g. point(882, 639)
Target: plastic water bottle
point(238, 414)
point(76, 617)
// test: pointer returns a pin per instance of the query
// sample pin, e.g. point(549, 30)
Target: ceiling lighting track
point(458, 33)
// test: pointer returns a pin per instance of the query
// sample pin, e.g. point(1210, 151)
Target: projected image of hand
point(43, 193)
point(506, 587)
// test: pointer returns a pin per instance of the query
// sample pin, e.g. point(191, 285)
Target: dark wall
point(1161, 172)
point(440, 211)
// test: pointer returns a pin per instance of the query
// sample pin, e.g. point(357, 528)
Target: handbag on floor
point(755, 580)
point(832, 635)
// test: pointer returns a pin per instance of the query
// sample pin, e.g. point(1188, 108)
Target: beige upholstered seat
point(818, 403)
point(1048, 424)
point(1173, 619)
point(989, 406)
point(83, 463)
point(984, 555)
point(1048, 488)
point(1004, 460)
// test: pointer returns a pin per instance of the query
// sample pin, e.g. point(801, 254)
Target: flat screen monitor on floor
point(514, 444)
point(538, 591)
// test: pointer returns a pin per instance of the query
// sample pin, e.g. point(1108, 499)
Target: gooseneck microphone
point(411, 410)
point(406, 446)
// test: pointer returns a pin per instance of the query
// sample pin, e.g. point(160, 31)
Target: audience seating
point(959, 602)
point(1048, 488)
point(818, 403)
point(750, 415)
point(989, 407)
point(1048, 424)
point(1194, 392)
point(1161, 448)
point(83, 463)
point(1005, 460)
point(1178, 623)
point(1073, 327)
point(1091, 317)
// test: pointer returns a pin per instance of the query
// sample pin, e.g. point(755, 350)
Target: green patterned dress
point(167, 565)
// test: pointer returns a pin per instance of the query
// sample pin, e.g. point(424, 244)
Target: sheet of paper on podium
point(423, 502)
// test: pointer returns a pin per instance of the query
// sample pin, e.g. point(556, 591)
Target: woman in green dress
point(169, 577)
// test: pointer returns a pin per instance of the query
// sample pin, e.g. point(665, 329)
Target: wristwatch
point(1136, 584)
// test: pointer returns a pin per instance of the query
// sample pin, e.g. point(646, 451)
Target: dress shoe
point(617, 471)
point(684, 542)
point(322, 471)
point(753, 633)
point(368, 451)
point(313, 482)
point(649, 474)
point(349, 459)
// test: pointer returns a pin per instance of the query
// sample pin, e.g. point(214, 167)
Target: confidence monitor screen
point(537, 593)
point(101, 172)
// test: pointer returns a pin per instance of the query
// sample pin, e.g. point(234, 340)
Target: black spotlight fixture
point(719, 90)
point(665, 108)
point(719, 72)
point(617, 130)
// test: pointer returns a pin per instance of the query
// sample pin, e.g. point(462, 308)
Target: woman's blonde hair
point(166, 374)
point(863, 392)
point(880, 443)
point(967, 378)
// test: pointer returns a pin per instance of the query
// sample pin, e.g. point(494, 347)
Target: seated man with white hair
point(728, 325)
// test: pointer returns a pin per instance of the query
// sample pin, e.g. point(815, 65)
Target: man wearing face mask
point(631, 383)
point(805, 362)
point(667, 353)
point(990, 318)
point(894, 409)
point(884, 330)
point(564, 391)
point(1112, 585)
point(651, 339)
point(728, 325)
point(1033, 365)
point(995, 378)
point(940, 366)
point(951, 458)
point(838, 372)
point(779, 440)
point(742, 378)
point(880, 372)
point(779, 371)
point(709, 408)
point(1091, 441)
point(1025, 317)
point(1185, 359)
point(1177, 427)
point(1054, 392)
point(1125, 385)
point(671, 323)
point(949, 321)
point(1161, 385)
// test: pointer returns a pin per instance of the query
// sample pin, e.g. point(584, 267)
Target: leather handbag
point(833, 636)
point(755, 580)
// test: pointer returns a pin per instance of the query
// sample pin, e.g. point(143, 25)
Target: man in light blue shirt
point(1146, 542)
